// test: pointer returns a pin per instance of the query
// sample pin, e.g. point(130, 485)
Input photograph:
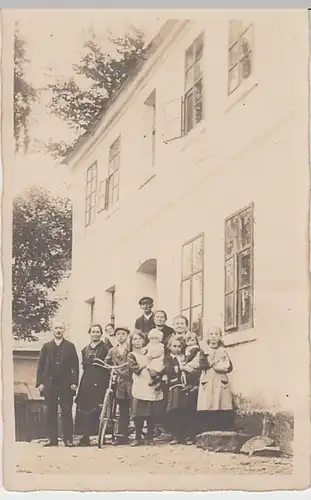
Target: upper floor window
point(149, 126)
point(239, 53)
point(91, 310)
point(239, 270)
point(193, 100)
point(90, 197)
point(113, 173)
point(192, 283)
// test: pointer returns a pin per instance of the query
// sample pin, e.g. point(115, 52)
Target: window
point(239, 54)
point(192, 283)
point(90, 198)
point(193, 101)
point(112, 295)
point(113, 173)
point(239, 270)
point(91, 310)
point(150, 129)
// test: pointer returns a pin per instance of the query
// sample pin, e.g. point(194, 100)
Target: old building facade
point(193, 189)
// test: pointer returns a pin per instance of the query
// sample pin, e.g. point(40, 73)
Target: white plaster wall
point(250, 148)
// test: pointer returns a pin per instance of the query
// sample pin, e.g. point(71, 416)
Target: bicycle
point(108, 414)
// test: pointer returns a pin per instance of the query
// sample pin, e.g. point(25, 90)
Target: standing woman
point(147, 400)
point(181, 328)
point(93, 385)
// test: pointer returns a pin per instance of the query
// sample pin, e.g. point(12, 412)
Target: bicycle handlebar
point(102, 364)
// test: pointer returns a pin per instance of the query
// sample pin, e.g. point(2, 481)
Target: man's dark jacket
point(145, 325)
point(69, 365)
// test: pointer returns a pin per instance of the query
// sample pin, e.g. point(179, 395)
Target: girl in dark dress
point(181, 404)
point(93, 385)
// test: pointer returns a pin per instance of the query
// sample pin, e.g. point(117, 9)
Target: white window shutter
point(103, 195)
point(172, 126)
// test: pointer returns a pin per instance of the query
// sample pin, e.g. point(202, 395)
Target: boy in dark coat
point(57, 380)
point(118, 355)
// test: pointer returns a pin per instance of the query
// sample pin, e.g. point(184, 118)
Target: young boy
point(118, 356)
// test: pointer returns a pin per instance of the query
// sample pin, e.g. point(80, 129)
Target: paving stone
point(219, 441)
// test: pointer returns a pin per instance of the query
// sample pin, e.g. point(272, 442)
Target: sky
point(55, 41)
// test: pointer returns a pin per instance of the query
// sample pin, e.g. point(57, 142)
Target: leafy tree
point(81, 107)
point(24, 95)
point(42, 235)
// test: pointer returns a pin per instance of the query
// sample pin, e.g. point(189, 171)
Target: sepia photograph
point(156, 264)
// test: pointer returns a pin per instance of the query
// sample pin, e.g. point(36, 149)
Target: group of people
point(168, 380)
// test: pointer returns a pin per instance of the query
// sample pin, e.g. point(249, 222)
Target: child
point(180, 412)
point(191, 363)
point(110, 336)
point(147, 401)
point(118, 356)
point(155, 355)
point(215, 401)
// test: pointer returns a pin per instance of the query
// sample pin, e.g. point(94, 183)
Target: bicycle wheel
point(105, 417)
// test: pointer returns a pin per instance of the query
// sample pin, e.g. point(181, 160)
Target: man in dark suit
point(145, 323)
point(57, 380)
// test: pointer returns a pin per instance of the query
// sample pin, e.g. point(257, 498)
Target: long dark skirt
point(181, 418)
point(90, 396)
point(87, 422)
point(215, 420)
point(147, 409)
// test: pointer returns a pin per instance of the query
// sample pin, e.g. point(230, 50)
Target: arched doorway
point(146, 279)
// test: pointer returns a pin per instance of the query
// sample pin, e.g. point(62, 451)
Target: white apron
point(141, 388)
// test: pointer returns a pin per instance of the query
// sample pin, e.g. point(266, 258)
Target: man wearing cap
point(145, 323)
point(57, 380)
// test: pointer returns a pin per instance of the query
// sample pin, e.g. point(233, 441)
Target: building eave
point(134, 79)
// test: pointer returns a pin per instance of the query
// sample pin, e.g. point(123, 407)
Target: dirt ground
point(159, 459)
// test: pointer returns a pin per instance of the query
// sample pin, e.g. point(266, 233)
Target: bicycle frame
point(108, 413)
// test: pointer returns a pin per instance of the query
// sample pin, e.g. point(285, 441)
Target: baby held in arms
point(155, 355)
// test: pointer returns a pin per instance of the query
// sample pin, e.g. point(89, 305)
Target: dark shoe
point(68, 444)
point(50, 443)
point(136, 442)
point(190, 442)
point(120, 440)
point(84, 441)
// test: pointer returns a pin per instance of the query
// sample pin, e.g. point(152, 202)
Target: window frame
point(189, 277)
point(191, 90)
point(241, 56)
point(88, 218)
point(115, 173)
point(91, 304)
point(236, 325)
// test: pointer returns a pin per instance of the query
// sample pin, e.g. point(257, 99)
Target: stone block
point(219, 441)
point(278, 426)
point(256, 443)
